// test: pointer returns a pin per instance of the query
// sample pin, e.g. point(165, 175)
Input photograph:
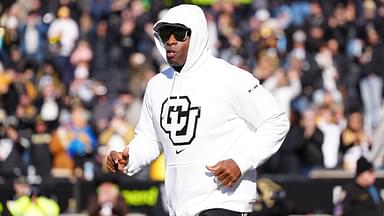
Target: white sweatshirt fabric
point(208, 112)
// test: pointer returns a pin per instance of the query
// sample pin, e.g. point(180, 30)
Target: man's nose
point(171, 40)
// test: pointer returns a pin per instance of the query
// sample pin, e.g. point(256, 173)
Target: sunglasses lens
point(164, 34)
point(180, 34)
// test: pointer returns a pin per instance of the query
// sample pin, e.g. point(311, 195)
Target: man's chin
point(174, 64)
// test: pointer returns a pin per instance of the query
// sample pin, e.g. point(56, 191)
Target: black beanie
point(363, 165)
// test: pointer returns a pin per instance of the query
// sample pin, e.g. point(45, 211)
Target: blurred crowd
point(73, 73)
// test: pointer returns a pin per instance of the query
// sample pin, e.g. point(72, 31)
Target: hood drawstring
point(171, 91)
point(180, 84)
point(169, 95)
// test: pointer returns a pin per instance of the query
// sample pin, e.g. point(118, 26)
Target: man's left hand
point(226, 171)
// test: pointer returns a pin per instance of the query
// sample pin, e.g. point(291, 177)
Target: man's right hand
point(116, 161)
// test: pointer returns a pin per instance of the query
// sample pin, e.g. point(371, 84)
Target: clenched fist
point(226, 171)
point(116, 161)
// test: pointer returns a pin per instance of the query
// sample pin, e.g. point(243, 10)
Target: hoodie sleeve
point(144, 146)
point(268, 123)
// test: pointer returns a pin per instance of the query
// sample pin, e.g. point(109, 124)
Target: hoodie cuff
point(131, 168)
point(242, 162)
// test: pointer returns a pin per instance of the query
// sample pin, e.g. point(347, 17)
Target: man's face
point(176, 41)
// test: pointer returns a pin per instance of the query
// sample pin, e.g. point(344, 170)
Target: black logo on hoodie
point(179, 120)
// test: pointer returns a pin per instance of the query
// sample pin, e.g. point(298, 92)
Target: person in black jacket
point(362, 197)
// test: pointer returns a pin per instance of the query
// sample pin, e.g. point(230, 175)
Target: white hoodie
point(210, 111)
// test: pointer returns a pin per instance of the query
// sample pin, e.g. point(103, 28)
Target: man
point(28, 200)
point(107, 201)
point(361, 196)
point(214, 122)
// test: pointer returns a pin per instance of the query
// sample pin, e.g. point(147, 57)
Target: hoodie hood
point(192, 17)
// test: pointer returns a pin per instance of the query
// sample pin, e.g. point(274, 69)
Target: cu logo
point(179, 119)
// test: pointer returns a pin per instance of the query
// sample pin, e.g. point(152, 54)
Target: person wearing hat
point(29, 201)
point(361, 196)
point(214, 122)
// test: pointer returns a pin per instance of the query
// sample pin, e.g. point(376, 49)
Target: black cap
point(363, 165)
point(161, 25)
point(21, 180)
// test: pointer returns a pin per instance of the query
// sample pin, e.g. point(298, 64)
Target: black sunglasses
point(180, 34)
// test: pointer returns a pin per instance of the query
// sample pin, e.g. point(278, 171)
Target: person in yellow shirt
point(28, 202)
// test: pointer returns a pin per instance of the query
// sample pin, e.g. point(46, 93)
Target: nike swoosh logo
point(179, 151)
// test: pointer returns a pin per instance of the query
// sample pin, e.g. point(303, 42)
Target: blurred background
point(73, 74)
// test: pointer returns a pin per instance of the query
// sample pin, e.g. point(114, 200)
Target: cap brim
point(163, 25)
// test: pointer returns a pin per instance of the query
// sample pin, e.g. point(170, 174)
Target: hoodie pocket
point(189, 185)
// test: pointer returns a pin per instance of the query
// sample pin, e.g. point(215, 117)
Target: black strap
point(221, 212)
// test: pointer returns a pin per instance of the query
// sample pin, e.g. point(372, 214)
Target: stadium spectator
point(62, 35)
point(331, 131)
point(12, 149)
point(311, 154)
point(362, 196)
point(355, 142)
point(33, 37)
point(40, 156)
point(107, 202)
point(29, 201)
point(49, 102)
point(116, 136)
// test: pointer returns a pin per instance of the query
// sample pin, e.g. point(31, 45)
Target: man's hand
point(226, 171)
point(116, 161)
